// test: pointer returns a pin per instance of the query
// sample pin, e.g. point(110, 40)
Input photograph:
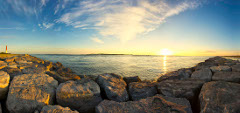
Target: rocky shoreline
point(32, 85)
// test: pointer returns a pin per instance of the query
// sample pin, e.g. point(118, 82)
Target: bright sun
point(165, 52)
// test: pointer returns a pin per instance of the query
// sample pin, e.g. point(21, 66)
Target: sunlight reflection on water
point(146, 67)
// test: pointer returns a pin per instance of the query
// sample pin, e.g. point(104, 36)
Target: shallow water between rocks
point(146, 67)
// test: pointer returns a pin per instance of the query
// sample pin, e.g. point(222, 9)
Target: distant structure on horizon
point(6, 48)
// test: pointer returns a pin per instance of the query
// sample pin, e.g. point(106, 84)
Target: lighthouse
point(6, 48)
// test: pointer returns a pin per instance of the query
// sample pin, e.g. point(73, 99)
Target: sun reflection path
point(165, 64)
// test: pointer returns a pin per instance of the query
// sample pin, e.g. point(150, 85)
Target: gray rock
point(181, 74)
point(4, 83)
point(30, 92)
point(155, 104)
point(236, 68)
point(220, 97)
point(131, 79)
point(32, 70)
point(113, 86)
point(227, 76)
point(82, 95)
point(62, 78)
point(56, 109)
point(13, 72)
point(220, 68)
point(141, 90)
point(203, 74)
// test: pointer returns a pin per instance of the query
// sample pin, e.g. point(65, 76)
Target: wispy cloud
point(124, 19)
point(47, 25)
point(97, 40)
point(13, 28)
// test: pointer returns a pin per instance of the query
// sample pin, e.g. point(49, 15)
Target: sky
point(140, 27)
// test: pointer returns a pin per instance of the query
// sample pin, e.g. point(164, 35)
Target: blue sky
point(186, 27)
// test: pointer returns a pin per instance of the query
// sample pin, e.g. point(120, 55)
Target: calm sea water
point(146, 67)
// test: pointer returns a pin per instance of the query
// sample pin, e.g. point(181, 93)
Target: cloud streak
point(123, 19)
point(97, 40)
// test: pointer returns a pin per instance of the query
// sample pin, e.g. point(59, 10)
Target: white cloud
point(47, 25)
point(97, 40)
point(124, 19)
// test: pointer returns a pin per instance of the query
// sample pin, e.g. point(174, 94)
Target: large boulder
point(56, 109)
point(113, 86)
point(4, 82)
point(30, 92)
point(221, 68)
point(2, 64)
point(13, 72)
point(227, 76)
point(141, 90)
point(61, 79)
point(220, 97)
point(203, 74)
point(31, 70)
point(155, 104)
point(180, 74)
point(82, 95)
point(188, 89)
point(131, 79)
point(236, 68)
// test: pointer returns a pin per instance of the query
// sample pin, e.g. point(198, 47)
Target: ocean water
point(146, 67)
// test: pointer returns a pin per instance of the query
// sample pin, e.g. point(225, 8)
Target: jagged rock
point(4, 83)
point(82, 95)
point(220, 97)
point(113, 86)
point(13, 72)
point(227, 76)
point(155, 104)
point(236, 68)
point(30, 92)
point(181, 74)
point(48, 65)
point(11, 59)
point(131, 79)
point(188, 89)
point(57, 65)
point(203, 74)
point(62, 78)
point(3, 65)
point(220, 68)
point(31, 70)
point(141, 90)
point(56, 109)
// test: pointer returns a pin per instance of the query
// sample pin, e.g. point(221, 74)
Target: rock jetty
point(32, 85)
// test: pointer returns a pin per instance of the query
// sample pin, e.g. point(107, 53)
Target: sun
point(165, 52)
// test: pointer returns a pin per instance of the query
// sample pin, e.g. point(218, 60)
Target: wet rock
point(4, 82)
point(56, 109)
point(181, 74)
point(141, 90)
point(30, 92)
point(220, 97)
point(113, 86)
point(220, 68)
point(155, 104)
point(227, 76)
point(82, 95)
point(131, 79)
point(188, 89)
point(236, 68)
point(203, 74)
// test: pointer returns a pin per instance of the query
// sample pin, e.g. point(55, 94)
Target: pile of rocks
point(29, 84)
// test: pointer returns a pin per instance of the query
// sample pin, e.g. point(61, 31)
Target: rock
point(3, 65)
point(0, 108)
point(220, 97)
point(113, 86)
point(9, 59)
point(48, 65)
point(13, 72)
point(62, 79)
point(23, 62)
point(227, 76)
point(57, 65)
point(12, 66)
point(32, 70)
point(141, 90)
point(4, 82)
point(56, 109)
point(188, 89)
point(155, 104)
point(203, 74)
point(236, 68)
point(30, 92)
point(82, 95)
point(181, 74)
point(131, 79)
point(220, 68)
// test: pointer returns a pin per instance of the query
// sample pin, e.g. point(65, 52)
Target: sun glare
point(165, 52)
